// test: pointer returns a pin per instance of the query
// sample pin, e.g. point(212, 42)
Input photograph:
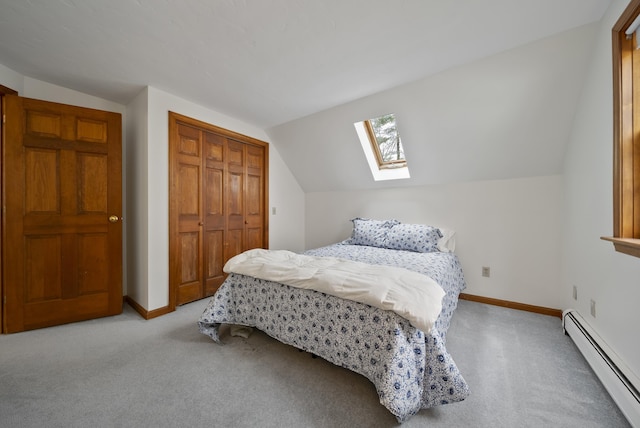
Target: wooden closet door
point(62, 240)
point(218, 195)
point(197, 212)
point(186, 218)
point(235, 199)
point(246, 198)
point(214, 220)
point(254, 196)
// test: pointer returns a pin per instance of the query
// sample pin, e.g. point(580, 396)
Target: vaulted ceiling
point(286, 65)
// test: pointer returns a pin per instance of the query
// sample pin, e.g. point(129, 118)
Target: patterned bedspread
point(409, 369)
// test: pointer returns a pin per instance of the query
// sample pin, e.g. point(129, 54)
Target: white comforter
point(411, 295)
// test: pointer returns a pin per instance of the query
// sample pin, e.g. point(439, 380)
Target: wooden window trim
point(382, 164)
point(626, 246)
point(626, 148)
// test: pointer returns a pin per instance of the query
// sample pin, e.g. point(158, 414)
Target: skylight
point(382, 146)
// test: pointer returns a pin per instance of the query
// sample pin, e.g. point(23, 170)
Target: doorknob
point(113, 218)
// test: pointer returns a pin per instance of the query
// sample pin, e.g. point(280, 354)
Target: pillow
point(370, 232)
point(413, 237)
point(447, 244)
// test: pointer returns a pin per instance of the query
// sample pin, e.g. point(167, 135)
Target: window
point(385, 141)
point(626, 134)
point(382, 145)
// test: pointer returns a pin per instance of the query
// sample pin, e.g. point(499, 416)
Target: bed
point(410, 368)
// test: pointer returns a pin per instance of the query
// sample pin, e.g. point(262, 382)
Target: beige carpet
point(124, 371)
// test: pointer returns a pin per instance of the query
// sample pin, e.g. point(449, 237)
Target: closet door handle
point(113, 219)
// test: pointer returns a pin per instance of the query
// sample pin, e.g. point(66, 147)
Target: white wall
point(611, 279)
point(286, 228)
point(137, 198)
point(512, 226)
point(11, 79)
point(48, 92)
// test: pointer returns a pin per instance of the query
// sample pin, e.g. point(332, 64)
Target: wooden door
point(245, 198)
point(185, 212)
point(214, 227)
point(212, 176)
point(235, 201)
point(254, 196)
point(197, 212)
point(62, 195)
point(3, 91)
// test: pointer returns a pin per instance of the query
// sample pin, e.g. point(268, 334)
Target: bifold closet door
point(186, 242)
point(197, 213)
point(214, 224)
point(217, 204)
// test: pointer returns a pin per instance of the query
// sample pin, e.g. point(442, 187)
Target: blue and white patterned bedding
point(409, 369)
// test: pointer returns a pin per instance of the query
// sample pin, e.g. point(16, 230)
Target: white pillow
point(447, 244)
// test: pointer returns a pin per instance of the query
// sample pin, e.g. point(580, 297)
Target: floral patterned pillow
point(413, 237)
point(370, 232)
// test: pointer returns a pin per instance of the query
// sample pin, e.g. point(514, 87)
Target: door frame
point(3, 91)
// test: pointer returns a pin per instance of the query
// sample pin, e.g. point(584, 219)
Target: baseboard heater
point(616, 377)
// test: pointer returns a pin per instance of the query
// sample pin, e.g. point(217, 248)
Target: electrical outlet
point(593, 308)
point(575, 293)
point(273, 210)
point(486, 271)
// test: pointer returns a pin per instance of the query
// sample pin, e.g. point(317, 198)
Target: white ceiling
point(266, 62)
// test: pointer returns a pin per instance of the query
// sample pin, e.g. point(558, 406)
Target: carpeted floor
point(124, 371)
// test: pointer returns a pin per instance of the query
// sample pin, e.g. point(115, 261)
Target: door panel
point(188, 209)
point(214, 261)
point(190, 253)
point(190, 282)
point(255, 197)
point(91, 172)
point(214, 221)
point(93, 253)
point(234, 244)
point(43, 269)
point(235, 198)
point(62, 181)
point(42, 193)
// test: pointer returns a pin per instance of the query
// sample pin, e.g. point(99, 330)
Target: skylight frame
point(375, 146)
point(398, 171)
